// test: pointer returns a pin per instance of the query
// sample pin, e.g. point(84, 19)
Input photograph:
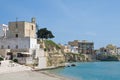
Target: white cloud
point(90, 34)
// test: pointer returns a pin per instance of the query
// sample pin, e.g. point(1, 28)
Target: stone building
point(20, 43)
point(109, 50)
point(74, 46)
point(85, 47)
point(21, 29)
point(65, 48)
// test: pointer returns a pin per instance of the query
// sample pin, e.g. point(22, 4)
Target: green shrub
point(1, 58)
point(45, 49)
point(15, 60)
point(50, 44)
point(105, 57)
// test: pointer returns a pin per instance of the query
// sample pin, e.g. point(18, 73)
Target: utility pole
point(16, 22)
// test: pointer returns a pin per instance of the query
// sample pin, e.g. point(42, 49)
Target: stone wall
point(22, 29)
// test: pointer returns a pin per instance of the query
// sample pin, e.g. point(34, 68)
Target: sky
point(93, 20)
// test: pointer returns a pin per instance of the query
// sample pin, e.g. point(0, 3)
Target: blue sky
point(92, 20)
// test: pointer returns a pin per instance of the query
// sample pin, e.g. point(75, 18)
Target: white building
point(118, 51)
point(20, 43)
point(74, 49)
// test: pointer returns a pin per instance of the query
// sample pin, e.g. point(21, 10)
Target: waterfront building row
point(83, 47)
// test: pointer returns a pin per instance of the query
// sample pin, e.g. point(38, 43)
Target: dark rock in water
point(73, 65)
point(68, 66)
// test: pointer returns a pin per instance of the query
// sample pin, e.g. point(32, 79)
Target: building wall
point(42, 63)
point(86, 47)
point(74, 46)
point(118, 51)
point(42, 59)
point(40, 53)
point(33, 44)
point(66, 48)
point(83, 46)
point(15, 28)
point(73, 43)
point(2, 26)
point(30, 30)
point(18, 43)
point(74, 49)
point(22, 29)
point(3, 52)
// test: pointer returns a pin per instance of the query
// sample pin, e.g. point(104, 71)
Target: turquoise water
point(91, 71)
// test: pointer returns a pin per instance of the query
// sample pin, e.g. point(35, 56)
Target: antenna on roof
point(16, 22)
point(16, 19)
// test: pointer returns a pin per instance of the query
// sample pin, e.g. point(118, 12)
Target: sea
point(90, 71)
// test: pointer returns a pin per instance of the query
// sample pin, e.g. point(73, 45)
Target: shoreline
point(22, 72)
point(14, 71)
point(31, 75)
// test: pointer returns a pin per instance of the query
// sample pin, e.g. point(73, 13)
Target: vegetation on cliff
point(74, 57)
point(53, 53)
point(50, 45)
point(106, 57)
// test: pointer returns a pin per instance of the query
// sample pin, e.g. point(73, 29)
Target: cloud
point(90, 34)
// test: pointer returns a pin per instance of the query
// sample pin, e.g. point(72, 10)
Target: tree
point(111, 47)
point(50, 35)
point(44, 33)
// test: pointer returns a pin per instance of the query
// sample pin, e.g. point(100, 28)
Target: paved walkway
point(20, 72)
point(8, 67)
point(30, 75)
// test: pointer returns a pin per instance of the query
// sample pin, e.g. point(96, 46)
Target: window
point(32, 27)
point(16, 35)
point(8, 47)
point(2, 47)
point(19, 55)
point(16, 46)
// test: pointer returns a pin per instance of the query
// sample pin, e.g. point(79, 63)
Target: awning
point(25, 53)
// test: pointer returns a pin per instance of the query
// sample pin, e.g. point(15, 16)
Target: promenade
point(8, 67)
point(14, 71)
